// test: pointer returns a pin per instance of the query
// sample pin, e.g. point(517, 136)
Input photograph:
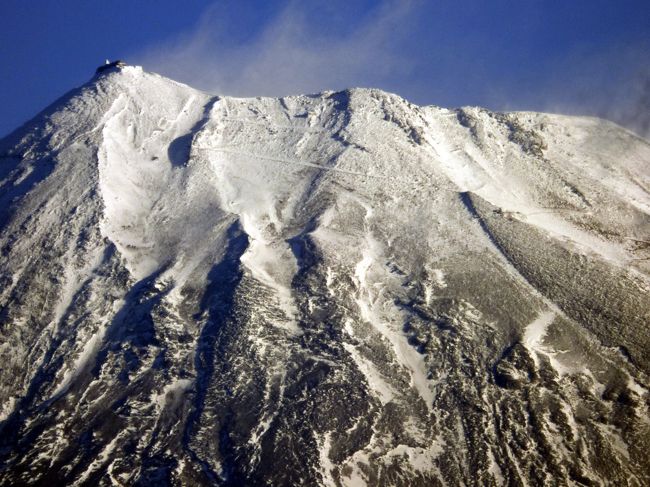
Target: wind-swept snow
point(334, 289)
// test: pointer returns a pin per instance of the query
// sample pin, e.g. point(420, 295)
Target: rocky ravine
point(334, 289)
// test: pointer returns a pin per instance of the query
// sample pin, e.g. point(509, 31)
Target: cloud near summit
point(297, 50)
point(501, 56)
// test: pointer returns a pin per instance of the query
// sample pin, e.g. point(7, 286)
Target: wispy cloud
point(429, 53)
point(612, 83)
point(293, 52)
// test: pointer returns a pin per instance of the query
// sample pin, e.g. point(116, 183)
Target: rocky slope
point(336, 289)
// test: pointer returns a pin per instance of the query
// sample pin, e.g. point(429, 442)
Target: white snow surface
point(373, 182)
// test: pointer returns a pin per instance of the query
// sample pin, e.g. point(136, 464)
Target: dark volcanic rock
point(337, 289)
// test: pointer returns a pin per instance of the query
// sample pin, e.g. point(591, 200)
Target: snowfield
point(340, 289)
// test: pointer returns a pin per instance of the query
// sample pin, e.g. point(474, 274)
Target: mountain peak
point(333, 289)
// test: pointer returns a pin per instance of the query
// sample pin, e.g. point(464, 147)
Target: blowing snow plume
point(613, 83)
point(431, 53)
point(299, 50)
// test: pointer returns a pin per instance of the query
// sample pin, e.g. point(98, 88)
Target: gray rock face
point(337, 289)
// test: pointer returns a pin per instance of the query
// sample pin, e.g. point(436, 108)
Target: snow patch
point(372, 277)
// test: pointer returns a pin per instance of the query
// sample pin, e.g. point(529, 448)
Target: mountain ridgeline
point(341, 289)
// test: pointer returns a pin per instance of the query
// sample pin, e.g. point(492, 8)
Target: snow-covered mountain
point(333, 289)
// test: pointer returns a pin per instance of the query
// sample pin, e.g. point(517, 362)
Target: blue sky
point(572, 56)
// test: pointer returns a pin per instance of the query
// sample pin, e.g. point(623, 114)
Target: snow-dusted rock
point(333, 289)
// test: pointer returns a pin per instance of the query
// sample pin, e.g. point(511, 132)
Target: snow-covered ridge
point(336, 289)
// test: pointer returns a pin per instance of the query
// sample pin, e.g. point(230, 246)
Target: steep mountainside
point(335, 289)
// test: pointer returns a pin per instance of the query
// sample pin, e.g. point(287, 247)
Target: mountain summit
point(333, 289)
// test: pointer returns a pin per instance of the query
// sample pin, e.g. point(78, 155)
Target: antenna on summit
point(110, 65)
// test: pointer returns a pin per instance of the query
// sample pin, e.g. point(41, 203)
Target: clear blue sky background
point(573, 56)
